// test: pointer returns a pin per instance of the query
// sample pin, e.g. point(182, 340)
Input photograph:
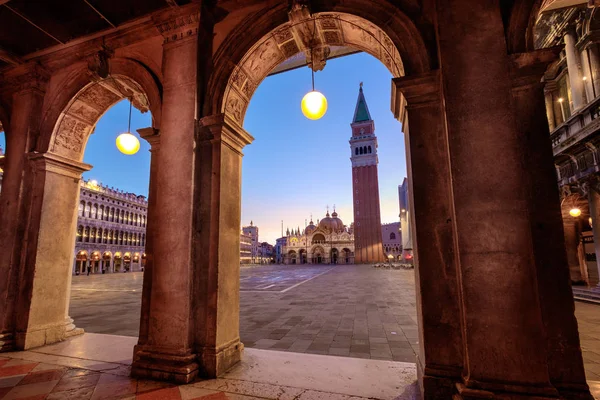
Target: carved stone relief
point(263, 59)
point(98, 97)
point(84, 112)
point(299, 35)
point(70, 137)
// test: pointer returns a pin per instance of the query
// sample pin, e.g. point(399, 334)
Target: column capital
point(415, 91)
point(220, 127)
point(26, 77)
point(528, 69)
point(58, 164)
point(178, 23)
point(152, 136)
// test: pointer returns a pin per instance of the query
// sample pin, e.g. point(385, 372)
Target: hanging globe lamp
point(575, 212)
point(127, 143)
point(314, 105)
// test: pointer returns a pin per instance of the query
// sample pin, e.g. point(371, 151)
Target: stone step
point(587, 295)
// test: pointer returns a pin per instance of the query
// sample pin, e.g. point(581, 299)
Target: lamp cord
point(312, 59)
point(129, 124)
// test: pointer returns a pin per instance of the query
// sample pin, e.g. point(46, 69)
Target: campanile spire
point(365, 186)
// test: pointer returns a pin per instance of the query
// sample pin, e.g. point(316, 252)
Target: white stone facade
point(111, 230)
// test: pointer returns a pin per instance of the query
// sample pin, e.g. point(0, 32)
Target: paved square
point(349, 310)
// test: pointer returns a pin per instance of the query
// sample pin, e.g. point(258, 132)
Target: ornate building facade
point(245, 248)
point(392, 241)
point(111, 230)
point(365, 184)
point(255, 251)
point(572, 98)
point(331, 242)
point(328, 242)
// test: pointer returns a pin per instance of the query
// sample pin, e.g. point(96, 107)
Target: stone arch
point(77, 102)
point(520, 17)
point(242, 61)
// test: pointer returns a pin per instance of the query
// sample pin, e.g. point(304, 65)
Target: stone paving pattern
point(352, 310)
point(27, 380)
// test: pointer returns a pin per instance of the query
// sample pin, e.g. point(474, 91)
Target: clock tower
point(365, 185)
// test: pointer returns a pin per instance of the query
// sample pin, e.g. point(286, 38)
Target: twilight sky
point(295, 166)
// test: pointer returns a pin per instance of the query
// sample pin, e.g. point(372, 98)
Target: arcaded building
point(111, 230)
point(495, 308)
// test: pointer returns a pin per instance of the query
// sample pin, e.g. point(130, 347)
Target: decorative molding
point(221, 127)
point(30, 76)
point(57, 164)
point(150, 135)
point(98, 67)
point(527, 69)
point(178, 23)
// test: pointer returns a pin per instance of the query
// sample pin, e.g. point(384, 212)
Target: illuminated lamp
point(127, 143)
point(575, 212)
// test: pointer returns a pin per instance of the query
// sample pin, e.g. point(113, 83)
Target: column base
point(506, 392)
point(574, 391)
point(71, 329)
point(37, 337)
point(437, 383)
point(216, 361)
point(7, 342)
point(151, 364)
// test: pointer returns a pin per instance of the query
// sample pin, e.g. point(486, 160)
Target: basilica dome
point(310, 228)
point(332, 223)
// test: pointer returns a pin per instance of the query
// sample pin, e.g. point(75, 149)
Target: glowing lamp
point(128, 143)
point(575, 212)
point(314, 105)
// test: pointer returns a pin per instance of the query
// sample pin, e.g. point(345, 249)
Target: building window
point(392, 236)
point(369, 149)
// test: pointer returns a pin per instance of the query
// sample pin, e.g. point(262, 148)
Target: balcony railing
point(579, 126)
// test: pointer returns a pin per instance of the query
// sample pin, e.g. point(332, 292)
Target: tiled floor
point(93, 367)
point(352, 310)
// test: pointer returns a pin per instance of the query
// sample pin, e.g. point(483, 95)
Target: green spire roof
point(361, 113)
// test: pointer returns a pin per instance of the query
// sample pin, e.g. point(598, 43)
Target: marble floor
point(96, 366)
point(352, 311)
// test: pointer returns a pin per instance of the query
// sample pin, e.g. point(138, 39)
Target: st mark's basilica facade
point(328, 242)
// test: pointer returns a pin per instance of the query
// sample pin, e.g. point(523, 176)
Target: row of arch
point(319, 256)
point(98, 235)
point(106, 262)
point(111, 214)
point(363, 150)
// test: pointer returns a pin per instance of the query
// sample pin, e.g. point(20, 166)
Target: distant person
point(89, 269)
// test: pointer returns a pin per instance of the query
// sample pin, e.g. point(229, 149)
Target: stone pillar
point(573, 63)
point(24, 127)
point(594, 58)
point(572, 239)
point(50, 222)
point(594, 204)
point(168, 352)
point(152, 136)
point(440, 359)
point(217, 225)
point(549, 110)
point(588, 81)
point(565, 364)
point(501, 314)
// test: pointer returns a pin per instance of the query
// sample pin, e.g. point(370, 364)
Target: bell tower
point(365, 185)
